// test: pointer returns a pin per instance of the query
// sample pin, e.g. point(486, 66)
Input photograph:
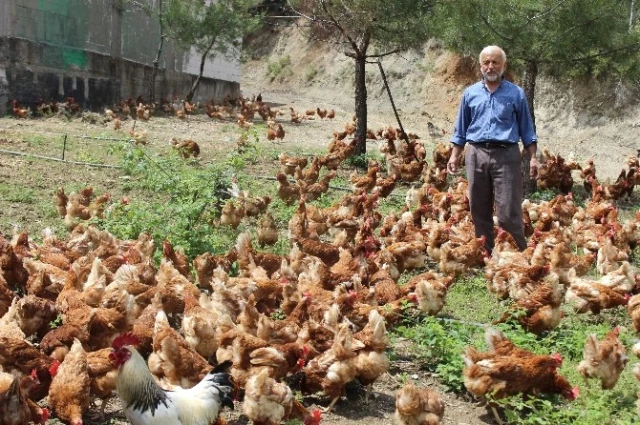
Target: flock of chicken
point(312, 320)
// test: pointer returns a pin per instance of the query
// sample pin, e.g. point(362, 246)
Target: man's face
point(492, 66)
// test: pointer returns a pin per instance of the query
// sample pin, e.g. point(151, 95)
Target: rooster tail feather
point(222, 380)
point(222, 367)
point(226, 399)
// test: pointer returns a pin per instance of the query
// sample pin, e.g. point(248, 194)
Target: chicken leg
point(367, 392)
point(330, 406)
point(495, 415)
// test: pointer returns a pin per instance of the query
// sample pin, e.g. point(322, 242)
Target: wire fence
point(67, 137)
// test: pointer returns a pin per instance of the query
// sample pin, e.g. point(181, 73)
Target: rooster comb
point(124, 339)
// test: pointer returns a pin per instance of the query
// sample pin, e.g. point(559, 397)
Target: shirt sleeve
point(462, 123)
point(525, 122)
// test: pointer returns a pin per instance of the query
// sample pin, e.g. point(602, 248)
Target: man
point(493, 117)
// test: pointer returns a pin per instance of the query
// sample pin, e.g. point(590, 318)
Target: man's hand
point(454, 161)
point(534, 165)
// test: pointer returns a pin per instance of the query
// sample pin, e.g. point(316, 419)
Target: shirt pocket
point(504, 110)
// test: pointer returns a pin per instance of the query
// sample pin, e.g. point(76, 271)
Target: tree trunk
point(361, 105)
point(196, 83)
point(529, 86)
point(156, 61)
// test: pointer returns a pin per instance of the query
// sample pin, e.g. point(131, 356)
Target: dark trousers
point(494, 177)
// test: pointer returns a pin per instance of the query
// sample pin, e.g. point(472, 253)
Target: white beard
point(492, 78)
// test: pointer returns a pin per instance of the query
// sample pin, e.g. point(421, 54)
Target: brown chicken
point(267, 402)
point(441, 154)
point(604, 360)
point(173, 360)
point(267, 231)
point(489, 373)
point(19, 111)
point(177, 258)
point(328, 253)
point(367, 182)
point(232, 214)
point(431, 291)
point(418, 406)
point(16, 406)
point(371, 361)
point(633, 308)
point(103, 376)
point(61, 202)
point(592, 296)
point(186, 148)
point(458, 259)
point(70, 388)
point(288, 192)
point(333, 369)
point(540, 311)
point(199, 327)
point(247, 256)
point(314, 191)
point(403, 256)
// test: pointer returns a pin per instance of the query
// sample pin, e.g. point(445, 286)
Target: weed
point(279, 69)
point(311, 73)
point(12, 193)
point(55, 323)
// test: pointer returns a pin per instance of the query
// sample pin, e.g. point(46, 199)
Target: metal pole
point(64, 145)
point(393, 105)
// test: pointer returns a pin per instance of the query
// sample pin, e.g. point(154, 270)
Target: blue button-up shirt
point(502, 116)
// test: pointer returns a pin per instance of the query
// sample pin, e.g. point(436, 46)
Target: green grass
point(13, 193)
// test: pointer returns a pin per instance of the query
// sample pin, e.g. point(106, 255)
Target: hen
point(333, 369)
point(287, 192)
point(418, 406)
point(70, 387)
point(146, 403)
point(604, 360)
point(487, 373)
point(267, 230)
point(15, 405)
point(173, 358)
point(267, 402)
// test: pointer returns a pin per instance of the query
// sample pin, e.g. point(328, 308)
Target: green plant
point(311, 73)
point(55, 323)
point(86, 156)
point(12, 193)
point(183, 209)
point(279, 69)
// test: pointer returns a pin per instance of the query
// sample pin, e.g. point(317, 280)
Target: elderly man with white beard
point(493, 117)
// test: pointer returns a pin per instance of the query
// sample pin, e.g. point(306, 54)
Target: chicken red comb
point(53, 369)
point(557, 357)
point(45, 415)
point(575, 391)
point(124, 339)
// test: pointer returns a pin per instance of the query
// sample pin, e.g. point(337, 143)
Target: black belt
point(494, 145)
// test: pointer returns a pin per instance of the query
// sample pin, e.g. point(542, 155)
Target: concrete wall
point(98, 51)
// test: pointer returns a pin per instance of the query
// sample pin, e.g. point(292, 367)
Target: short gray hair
point(489, 49)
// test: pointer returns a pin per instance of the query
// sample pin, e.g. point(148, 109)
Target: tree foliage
point(358, 26)
point(575, 37)
point(212, 27)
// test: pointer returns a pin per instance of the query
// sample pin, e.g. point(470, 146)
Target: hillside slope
point(583, 117)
